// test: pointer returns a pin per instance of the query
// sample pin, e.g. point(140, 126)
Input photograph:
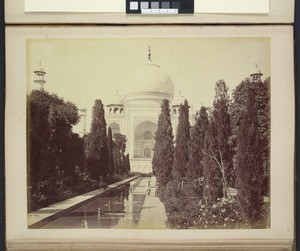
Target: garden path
point(153, 214)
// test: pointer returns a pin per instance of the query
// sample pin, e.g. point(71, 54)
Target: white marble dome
point(149, 79)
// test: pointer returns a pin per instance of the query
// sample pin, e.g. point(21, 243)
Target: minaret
point(83, 115)
point(40, 80)
point(256, 75)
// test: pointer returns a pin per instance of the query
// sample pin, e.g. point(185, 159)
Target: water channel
point(118, 208)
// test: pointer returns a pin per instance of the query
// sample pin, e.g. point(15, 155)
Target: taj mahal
point(135, 114)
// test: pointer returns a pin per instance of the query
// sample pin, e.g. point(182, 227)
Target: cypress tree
point(181, 152)
point(119, 153)
point(249, 169)
point(97, 152)
point(163, 147)
point(127, 163)
point(211, 172)
point(196, 144)
point(218, 151)
point(111, 170)
point(221, 119)
point(237, 108)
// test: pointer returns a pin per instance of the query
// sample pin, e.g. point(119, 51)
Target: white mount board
point(104, 6)
point(278, 237)
point(279, 12)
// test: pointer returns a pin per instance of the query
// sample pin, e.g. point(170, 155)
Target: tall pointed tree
point(164, 146)
point(218, 150)
point(127, 163)
point(97, 152)
point(211, 172)
point(249, 169)
point(237, 108)
point(110, 152)
point(221, 119)
point(181, 153)
point(196, 144)
point(119, 153)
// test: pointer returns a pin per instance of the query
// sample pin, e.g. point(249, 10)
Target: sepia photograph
point(148, 133)
point(121, 138)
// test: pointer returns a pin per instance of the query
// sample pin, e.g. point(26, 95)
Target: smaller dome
point(117, 99)
point(256, 71)
point(178, 100)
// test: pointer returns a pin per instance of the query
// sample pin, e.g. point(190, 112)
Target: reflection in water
point(119, 208)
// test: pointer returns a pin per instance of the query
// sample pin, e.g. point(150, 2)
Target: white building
point(135, 114)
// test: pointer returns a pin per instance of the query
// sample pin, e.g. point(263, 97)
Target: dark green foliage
point(50, 122)
point(221, 120)
point(181, 205)
point(181, 152)
point(211, 171)
point(60, 163)
point(217, 163)
point(74, 155)
point(249, 170)
point(221, 116)
point(164, 147)
point(127, 163)
point(196, 145)
point(110, 145)
point(240, 135)
point(119, 153)
point(54, 151)
point(97, 148)
point(262, 100)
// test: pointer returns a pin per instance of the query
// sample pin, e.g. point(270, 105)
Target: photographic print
point(138, 138)
point(148, 133)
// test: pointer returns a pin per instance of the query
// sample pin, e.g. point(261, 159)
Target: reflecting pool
point(118, 208)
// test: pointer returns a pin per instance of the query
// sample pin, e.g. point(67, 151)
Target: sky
point(83, 70)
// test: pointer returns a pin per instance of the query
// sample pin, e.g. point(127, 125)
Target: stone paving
point(153, 214)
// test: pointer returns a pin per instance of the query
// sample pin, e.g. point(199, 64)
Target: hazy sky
point(82, 70)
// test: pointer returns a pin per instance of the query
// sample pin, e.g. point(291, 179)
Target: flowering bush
point(181, 204)
point(185, 209)
point(222, 214)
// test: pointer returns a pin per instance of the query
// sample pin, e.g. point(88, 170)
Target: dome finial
point(149, 54)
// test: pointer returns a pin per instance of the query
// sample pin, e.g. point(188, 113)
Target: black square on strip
point(186, 6)
point(176, 5)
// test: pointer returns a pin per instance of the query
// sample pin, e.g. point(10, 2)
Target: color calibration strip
point(159, 6)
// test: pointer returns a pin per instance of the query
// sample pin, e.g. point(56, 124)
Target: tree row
point(61, 164)
point(223, 158)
